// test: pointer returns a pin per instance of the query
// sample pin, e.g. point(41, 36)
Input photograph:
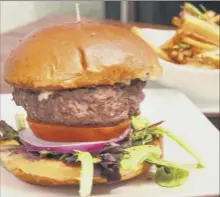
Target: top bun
point(72, 55)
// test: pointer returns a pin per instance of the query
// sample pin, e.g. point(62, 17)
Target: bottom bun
point(53, 172)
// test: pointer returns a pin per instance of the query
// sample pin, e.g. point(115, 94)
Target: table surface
point(10, 39)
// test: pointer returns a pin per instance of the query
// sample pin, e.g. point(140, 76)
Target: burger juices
point(81, 85)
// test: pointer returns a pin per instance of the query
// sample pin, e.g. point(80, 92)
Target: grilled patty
point(100, 105)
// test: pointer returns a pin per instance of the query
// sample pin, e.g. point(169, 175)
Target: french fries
point(176, 21)
point(215, 19)
point(209, 58)
point(198, 44)
point(173, 41)
point(202, 28)
point(196, 40)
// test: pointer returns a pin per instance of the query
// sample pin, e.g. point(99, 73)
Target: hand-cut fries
point(173, 41)
point(176, 21)
point(210, 58)
point(198, 44)
point(215, 19)
point(196, 41)
point(200, 27)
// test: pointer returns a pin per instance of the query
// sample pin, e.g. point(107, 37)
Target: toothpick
point(78, 18)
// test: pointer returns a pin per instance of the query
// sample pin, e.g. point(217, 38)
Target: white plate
point(209, 108)
point(182, 118)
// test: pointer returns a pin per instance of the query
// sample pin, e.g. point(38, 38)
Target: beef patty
point(100, 105)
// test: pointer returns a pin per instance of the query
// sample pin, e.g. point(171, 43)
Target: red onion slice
point(33, 143)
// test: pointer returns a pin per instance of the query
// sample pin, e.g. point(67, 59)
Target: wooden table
point(10, 39)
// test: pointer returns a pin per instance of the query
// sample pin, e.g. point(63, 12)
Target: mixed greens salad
point(136, 148)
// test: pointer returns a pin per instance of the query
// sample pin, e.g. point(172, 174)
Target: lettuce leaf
point(171, 176)
point(168, 174)
point(86, 174)
point(183, 144)
point(139, 122)
point(110, 157)
point(136, 155)
point(143, 132)
point(20, 122)
point(7, 132)
point(141, 137)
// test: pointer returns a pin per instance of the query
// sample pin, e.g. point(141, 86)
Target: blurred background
point(18, 13)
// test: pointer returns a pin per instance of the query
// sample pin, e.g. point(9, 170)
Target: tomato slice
point(63, 133)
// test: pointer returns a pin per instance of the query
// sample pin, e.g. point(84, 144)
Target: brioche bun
point(63, 133)
point(55, 172)
point(73, 55)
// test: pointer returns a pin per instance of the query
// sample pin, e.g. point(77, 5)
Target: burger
point(81, 85)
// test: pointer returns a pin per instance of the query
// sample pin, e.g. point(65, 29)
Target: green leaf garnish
point(63, 156)
point(139, 122)
point(171, 176)
point(141, 137)
point(184, 145)
point(7, 132)
point(159, 131)
point(20, 121)
point(86, 174)
point(143, 131)
point(168, 174)
point(137, 155)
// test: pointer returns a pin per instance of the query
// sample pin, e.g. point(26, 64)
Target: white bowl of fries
point(199, 84)
point(189, 55)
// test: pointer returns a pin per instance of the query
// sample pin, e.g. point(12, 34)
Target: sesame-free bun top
point(72, 55)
